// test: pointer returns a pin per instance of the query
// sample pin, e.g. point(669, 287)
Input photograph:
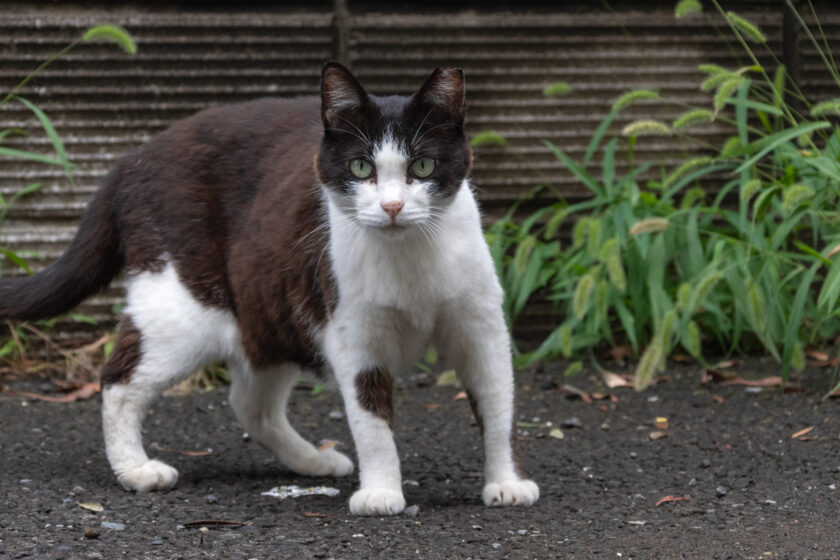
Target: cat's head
point(392, 163)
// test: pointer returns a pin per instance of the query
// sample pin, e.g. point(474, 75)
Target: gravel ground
point(748, 488)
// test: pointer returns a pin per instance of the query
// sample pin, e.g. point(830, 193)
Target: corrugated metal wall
point(104, 102)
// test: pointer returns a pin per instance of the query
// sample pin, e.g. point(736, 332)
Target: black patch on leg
point(126, 356)
point(374, 390)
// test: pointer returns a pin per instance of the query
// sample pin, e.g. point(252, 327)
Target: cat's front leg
point(367, 389)
point(474, 337)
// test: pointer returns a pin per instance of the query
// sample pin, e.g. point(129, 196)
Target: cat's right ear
point(341, 94)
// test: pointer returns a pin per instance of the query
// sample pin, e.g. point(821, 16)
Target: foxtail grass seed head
point(804, 140)
point(694, 194)
point(685, 168)
point(687, 7)
point(725, 91)
point(648, 364)
point(712, 69)
point(488, 138)
point(796, 195)
point(704, 287)
point(602, 299)
point(565, 337)
point(746, 28)
point(715, 80)
point(556, 89)
point(692, 117)
point(646, 127)
point(580, 232)
point(593, 240)
point(683, 295)
point(554, 223)
point(730, 147)
point(779, 80)
point(632, 97)
point(583, 293)
point(749, 188)
point(608, 249)
point(755, 304)
point(692, 339)
point(615, 270)
point(649, 225)
point(669, 321)
point(523, 253)
point(830, 107)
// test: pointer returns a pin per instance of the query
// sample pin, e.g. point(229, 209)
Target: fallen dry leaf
point(817, 355)
point(556, 433)
point(661, 423)
point(461, 395)
point(92, 506)
point(613, 380)
point(86, 391)
point(727, 364)
point(770, 381)
point(448, 377)
point(802, 432)
point(202, 453)
point(670, 498)
point(656, 434)
point(313, 514)
point(717, 398)
point(833, 251)
point(681, 358)
point(575, 392)
point(619, 353)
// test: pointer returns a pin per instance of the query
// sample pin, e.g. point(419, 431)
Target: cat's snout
point(392, 207)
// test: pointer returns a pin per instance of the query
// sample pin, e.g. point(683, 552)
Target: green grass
point(667, 265)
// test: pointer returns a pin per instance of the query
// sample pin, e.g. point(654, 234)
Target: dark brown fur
point(375, 392)
point(126, 354)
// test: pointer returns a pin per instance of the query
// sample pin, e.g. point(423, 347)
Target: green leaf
point(112, 34)
point(794, 321)
point(831, 287)
point(48, 127)
point(578, 170)
point(772, 141)
point(13, 257)
point(21, 154)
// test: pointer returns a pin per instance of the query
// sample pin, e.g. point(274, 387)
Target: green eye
point(361, 168)
point(423, 167)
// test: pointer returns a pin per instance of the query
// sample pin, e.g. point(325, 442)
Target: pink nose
point(392, 207)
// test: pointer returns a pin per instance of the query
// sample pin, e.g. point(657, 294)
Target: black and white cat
point(237, 246)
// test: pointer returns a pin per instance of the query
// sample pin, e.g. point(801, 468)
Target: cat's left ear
point(445, 89)
point(341, 94)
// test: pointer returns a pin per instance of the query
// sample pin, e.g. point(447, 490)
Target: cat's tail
point(92, 260)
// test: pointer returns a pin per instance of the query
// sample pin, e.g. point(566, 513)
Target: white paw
point(148, 477)
point(377, 501)
point(327, 462)
point(511, 492)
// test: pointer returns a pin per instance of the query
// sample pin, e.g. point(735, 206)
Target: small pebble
point(91, 533)
point(336, 415)
point(496, 545)
point(720, 491)
point(522, 532)
point(705, 464)
point(412, 511)
point(112, 525)
point(692, 482)
point(573, 422)
point(211, 499)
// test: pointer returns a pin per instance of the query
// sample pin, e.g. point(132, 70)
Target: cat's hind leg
point(259, 400)
point(166, 335)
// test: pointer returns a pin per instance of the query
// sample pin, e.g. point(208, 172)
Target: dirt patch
point(743, 486)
